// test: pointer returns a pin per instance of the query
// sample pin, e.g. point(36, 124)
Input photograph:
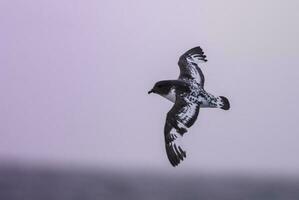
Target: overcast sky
point(75, 75)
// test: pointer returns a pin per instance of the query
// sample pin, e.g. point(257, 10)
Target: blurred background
point(77, 122)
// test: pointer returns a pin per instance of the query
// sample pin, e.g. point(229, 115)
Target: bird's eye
point(159, 86)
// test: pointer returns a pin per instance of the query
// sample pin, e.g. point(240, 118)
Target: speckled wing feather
point(189, 68)
point(183, 114)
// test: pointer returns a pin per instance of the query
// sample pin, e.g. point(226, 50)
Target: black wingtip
point(226, 104)
point(175, 154)
point(198, 53)
point(197, 49)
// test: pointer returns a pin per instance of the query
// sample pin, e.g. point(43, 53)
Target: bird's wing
point(183, 114)
point(173, 145)
point(189, 65)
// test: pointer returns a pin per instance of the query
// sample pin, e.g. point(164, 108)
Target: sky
point(75, 75)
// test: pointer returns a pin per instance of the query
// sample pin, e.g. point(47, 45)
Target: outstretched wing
point(188, 64)
point(173, 145)
point(182, 115)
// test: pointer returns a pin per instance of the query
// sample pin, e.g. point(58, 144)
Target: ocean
point(42, 183)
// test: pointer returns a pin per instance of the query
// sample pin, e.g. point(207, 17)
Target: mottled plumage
point(188, 95)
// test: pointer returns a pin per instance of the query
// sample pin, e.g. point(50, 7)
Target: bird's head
point(161, 87)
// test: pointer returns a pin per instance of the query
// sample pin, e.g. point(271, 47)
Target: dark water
point(17, 183)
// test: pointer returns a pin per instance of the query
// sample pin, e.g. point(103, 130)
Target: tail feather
point(223, 103)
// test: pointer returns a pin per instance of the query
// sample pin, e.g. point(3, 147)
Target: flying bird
point(188, 95)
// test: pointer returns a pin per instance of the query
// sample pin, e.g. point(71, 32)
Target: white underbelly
point(204, 103)
point(170, 96)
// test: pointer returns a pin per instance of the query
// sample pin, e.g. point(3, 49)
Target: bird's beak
point(151, 91)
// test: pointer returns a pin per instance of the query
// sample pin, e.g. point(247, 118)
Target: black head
point(161, 87)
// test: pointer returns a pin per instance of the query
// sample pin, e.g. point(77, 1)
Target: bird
point(188, 95)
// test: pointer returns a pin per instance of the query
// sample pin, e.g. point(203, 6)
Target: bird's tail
point(223, 103)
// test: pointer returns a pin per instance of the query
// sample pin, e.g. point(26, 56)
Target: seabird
point(188, 95)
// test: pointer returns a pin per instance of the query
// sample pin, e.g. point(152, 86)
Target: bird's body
point(197, 95)
point(188, 95)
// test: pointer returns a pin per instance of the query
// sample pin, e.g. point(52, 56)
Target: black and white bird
point(188, 95)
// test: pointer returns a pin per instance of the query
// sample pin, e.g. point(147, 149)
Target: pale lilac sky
point(75, 75)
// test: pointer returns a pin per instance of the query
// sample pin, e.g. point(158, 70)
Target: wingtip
point(175, 154)
point(197, 53)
